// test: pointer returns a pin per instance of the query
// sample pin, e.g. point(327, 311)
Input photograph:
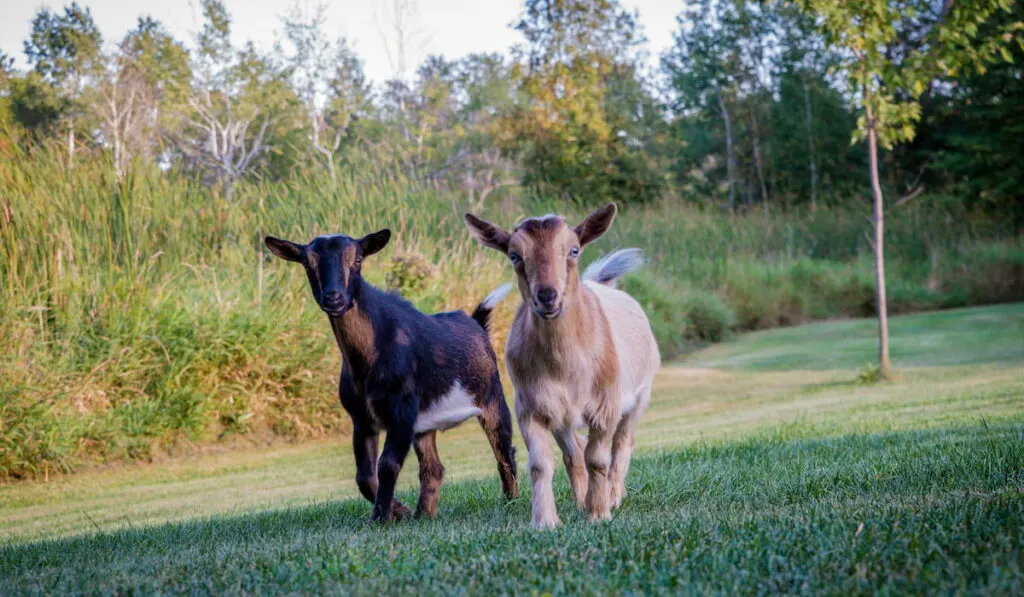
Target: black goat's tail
point(482, 313)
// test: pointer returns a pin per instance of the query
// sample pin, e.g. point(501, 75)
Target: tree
point(6, 71)
point(977, 131)
point(755, 24)
point(65, 51)
point(574, 51)
point(328, 78)
point(145, 77)
point(701, 69)
point(893, 50)
point(237, 99)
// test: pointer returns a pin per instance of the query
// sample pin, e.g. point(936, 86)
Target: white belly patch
point(447, 411)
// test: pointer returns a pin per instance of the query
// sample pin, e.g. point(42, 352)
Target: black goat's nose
point(333, 296)
point(547, 295)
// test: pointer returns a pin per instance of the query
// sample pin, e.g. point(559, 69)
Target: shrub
point(409, 273)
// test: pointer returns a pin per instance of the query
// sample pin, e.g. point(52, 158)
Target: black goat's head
point(332, 264)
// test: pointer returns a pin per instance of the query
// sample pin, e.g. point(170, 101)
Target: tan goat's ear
point(489, 234)
point(596, 224)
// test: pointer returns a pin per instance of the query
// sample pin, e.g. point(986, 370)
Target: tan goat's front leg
point(542, 471)
point(573, 446)
point(598, 455)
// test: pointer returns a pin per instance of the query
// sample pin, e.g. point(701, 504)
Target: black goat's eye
point(515, 258)
point(574, 252)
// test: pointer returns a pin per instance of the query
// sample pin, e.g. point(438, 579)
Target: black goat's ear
point(490, 235)
point(596, 224)
point(374, 242)
point(285, 249)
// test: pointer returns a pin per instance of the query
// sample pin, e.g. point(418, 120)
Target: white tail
point(496, 296)
point(608, 269)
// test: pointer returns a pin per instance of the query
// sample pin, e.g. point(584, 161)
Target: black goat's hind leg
point(431, 474)
point(496, 420)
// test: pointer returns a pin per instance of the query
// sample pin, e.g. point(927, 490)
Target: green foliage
point(681, 319)
point(929, 44)
point(151, 53)
point(408, 274)
point(979, 129)
point(577, 130)
point(65, 49)
point(869, 374)
point(35, 104)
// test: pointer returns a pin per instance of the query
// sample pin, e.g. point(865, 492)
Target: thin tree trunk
point(811, 161)
point(71, 142)
point(730, 159)
point(758, 163)
point(884, 364)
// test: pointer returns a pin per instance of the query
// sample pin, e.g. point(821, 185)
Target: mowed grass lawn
point(763, 466)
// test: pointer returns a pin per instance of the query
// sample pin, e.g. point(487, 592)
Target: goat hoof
point(400, 511)
point(547, 524)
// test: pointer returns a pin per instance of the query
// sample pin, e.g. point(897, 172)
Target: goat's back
point(635, 346)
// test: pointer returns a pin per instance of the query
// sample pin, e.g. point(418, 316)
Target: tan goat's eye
point(574, 252)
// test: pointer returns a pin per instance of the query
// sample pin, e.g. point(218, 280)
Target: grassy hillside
point(755, 476)
point(143, 318)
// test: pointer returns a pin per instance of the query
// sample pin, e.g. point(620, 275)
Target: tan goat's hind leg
point(622, 451)
point(542, 471)
point(573, 446)
point(598, 456)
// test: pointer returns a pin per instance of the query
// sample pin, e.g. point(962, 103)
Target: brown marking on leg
point(573, 447)
point(431, 474)
point(496, 421)
point(598, 457)
point(622, 451)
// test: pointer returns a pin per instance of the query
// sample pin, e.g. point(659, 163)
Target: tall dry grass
point(144, 316)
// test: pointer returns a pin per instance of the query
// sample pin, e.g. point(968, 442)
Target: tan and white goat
point(580, 354)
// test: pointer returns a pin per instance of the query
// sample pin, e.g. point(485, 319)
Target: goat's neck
point(353, 332)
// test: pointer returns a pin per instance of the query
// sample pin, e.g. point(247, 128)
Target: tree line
point(754, 105)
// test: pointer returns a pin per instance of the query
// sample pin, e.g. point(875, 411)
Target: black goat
point(403, 371)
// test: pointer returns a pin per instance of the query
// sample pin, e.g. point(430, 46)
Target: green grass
point(753, 477)
point(961, 336)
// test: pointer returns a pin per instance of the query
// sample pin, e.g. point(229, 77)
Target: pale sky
point(453, 28)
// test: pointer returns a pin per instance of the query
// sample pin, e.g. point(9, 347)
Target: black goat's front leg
point(364, 448)
point(396, 448)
